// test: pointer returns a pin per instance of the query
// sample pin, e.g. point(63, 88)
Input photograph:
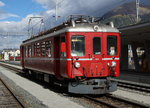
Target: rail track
point(133, 86)
point(124, 84)
point(15, 69)
point(8, 98)
point(114, 102)
point(108, 100)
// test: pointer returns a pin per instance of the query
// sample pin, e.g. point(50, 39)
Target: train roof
point(74, 26)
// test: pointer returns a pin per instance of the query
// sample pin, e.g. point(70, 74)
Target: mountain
point(125, 15)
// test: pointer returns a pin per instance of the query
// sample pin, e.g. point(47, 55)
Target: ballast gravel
point(35, 95)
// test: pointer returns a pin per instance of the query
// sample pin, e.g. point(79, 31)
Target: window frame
point(29, 51)
point(48, 50)
point(116, 51)
point(26, 50)
point(32, 50)
point(43, 51)
point(99, 44)
point(84, 52)
point(35, 50)
point(38, 49)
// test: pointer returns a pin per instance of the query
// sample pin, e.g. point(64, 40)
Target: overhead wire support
point(137, 10)
point(29, 24)
point(56, 9)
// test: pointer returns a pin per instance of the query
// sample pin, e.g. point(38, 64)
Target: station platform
point(127, 75)
point(134, 76)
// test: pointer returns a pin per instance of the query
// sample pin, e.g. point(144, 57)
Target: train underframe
point(76, 86)
point(93, 86)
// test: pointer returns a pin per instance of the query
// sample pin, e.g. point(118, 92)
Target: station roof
point(135, 33)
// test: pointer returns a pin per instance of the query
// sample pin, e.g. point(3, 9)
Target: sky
point(15, 15)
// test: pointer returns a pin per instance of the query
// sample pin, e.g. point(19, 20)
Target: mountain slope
point(125, 15)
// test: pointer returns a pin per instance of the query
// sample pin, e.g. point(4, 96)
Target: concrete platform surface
point(133, 96)
point(43, 95)
point(140, 77)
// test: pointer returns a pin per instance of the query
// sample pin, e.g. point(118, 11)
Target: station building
point(11, 55)
point(135, 53)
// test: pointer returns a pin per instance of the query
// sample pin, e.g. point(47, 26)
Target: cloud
point(2, 4)
point(65, 8)
point(4, 14)
point(47, 4)
point(7, 15)
point(7, 28)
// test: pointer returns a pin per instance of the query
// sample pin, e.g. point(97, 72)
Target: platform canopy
point(139, 33)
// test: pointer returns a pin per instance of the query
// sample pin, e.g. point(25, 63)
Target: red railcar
point(79, 53)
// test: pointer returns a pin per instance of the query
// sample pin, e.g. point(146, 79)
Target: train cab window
point(77, 45)
point(29, 48)
point(112, 48)
point(38, 49)
point(43, 49)
point(97, 45)
point(26, 51)
point(48, 48)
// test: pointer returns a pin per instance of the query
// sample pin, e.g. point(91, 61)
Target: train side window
point(35, 49)
point(63, 39)
point(48, 49)
point(97, 45)
point(26, 51)
point(32, 50)
point(29, 48)
point(38, 49)
point(112, 48)
point(63, 54)
point(43, 49)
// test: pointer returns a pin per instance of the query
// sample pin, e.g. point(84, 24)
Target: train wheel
point(26, 72)
point(33, 74)
point(41, 77)
point(51, 80)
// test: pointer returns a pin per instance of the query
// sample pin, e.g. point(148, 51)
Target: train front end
point(93, 58)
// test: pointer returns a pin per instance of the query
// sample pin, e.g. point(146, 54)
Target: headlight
point(113, 64)
point(108, 64)
point(77, 64)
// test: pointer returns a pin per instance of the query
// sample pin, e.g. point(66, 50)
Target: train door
point(97, 66)
point(112, 53)
point(63, 56)
point(57, 56)
point(22, 56)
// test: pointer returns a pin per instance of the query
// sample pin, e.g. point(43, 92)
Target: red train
point(79, 53)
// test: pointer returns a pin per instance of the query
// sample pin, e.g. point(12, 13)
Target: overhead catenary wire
point(44, 19)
